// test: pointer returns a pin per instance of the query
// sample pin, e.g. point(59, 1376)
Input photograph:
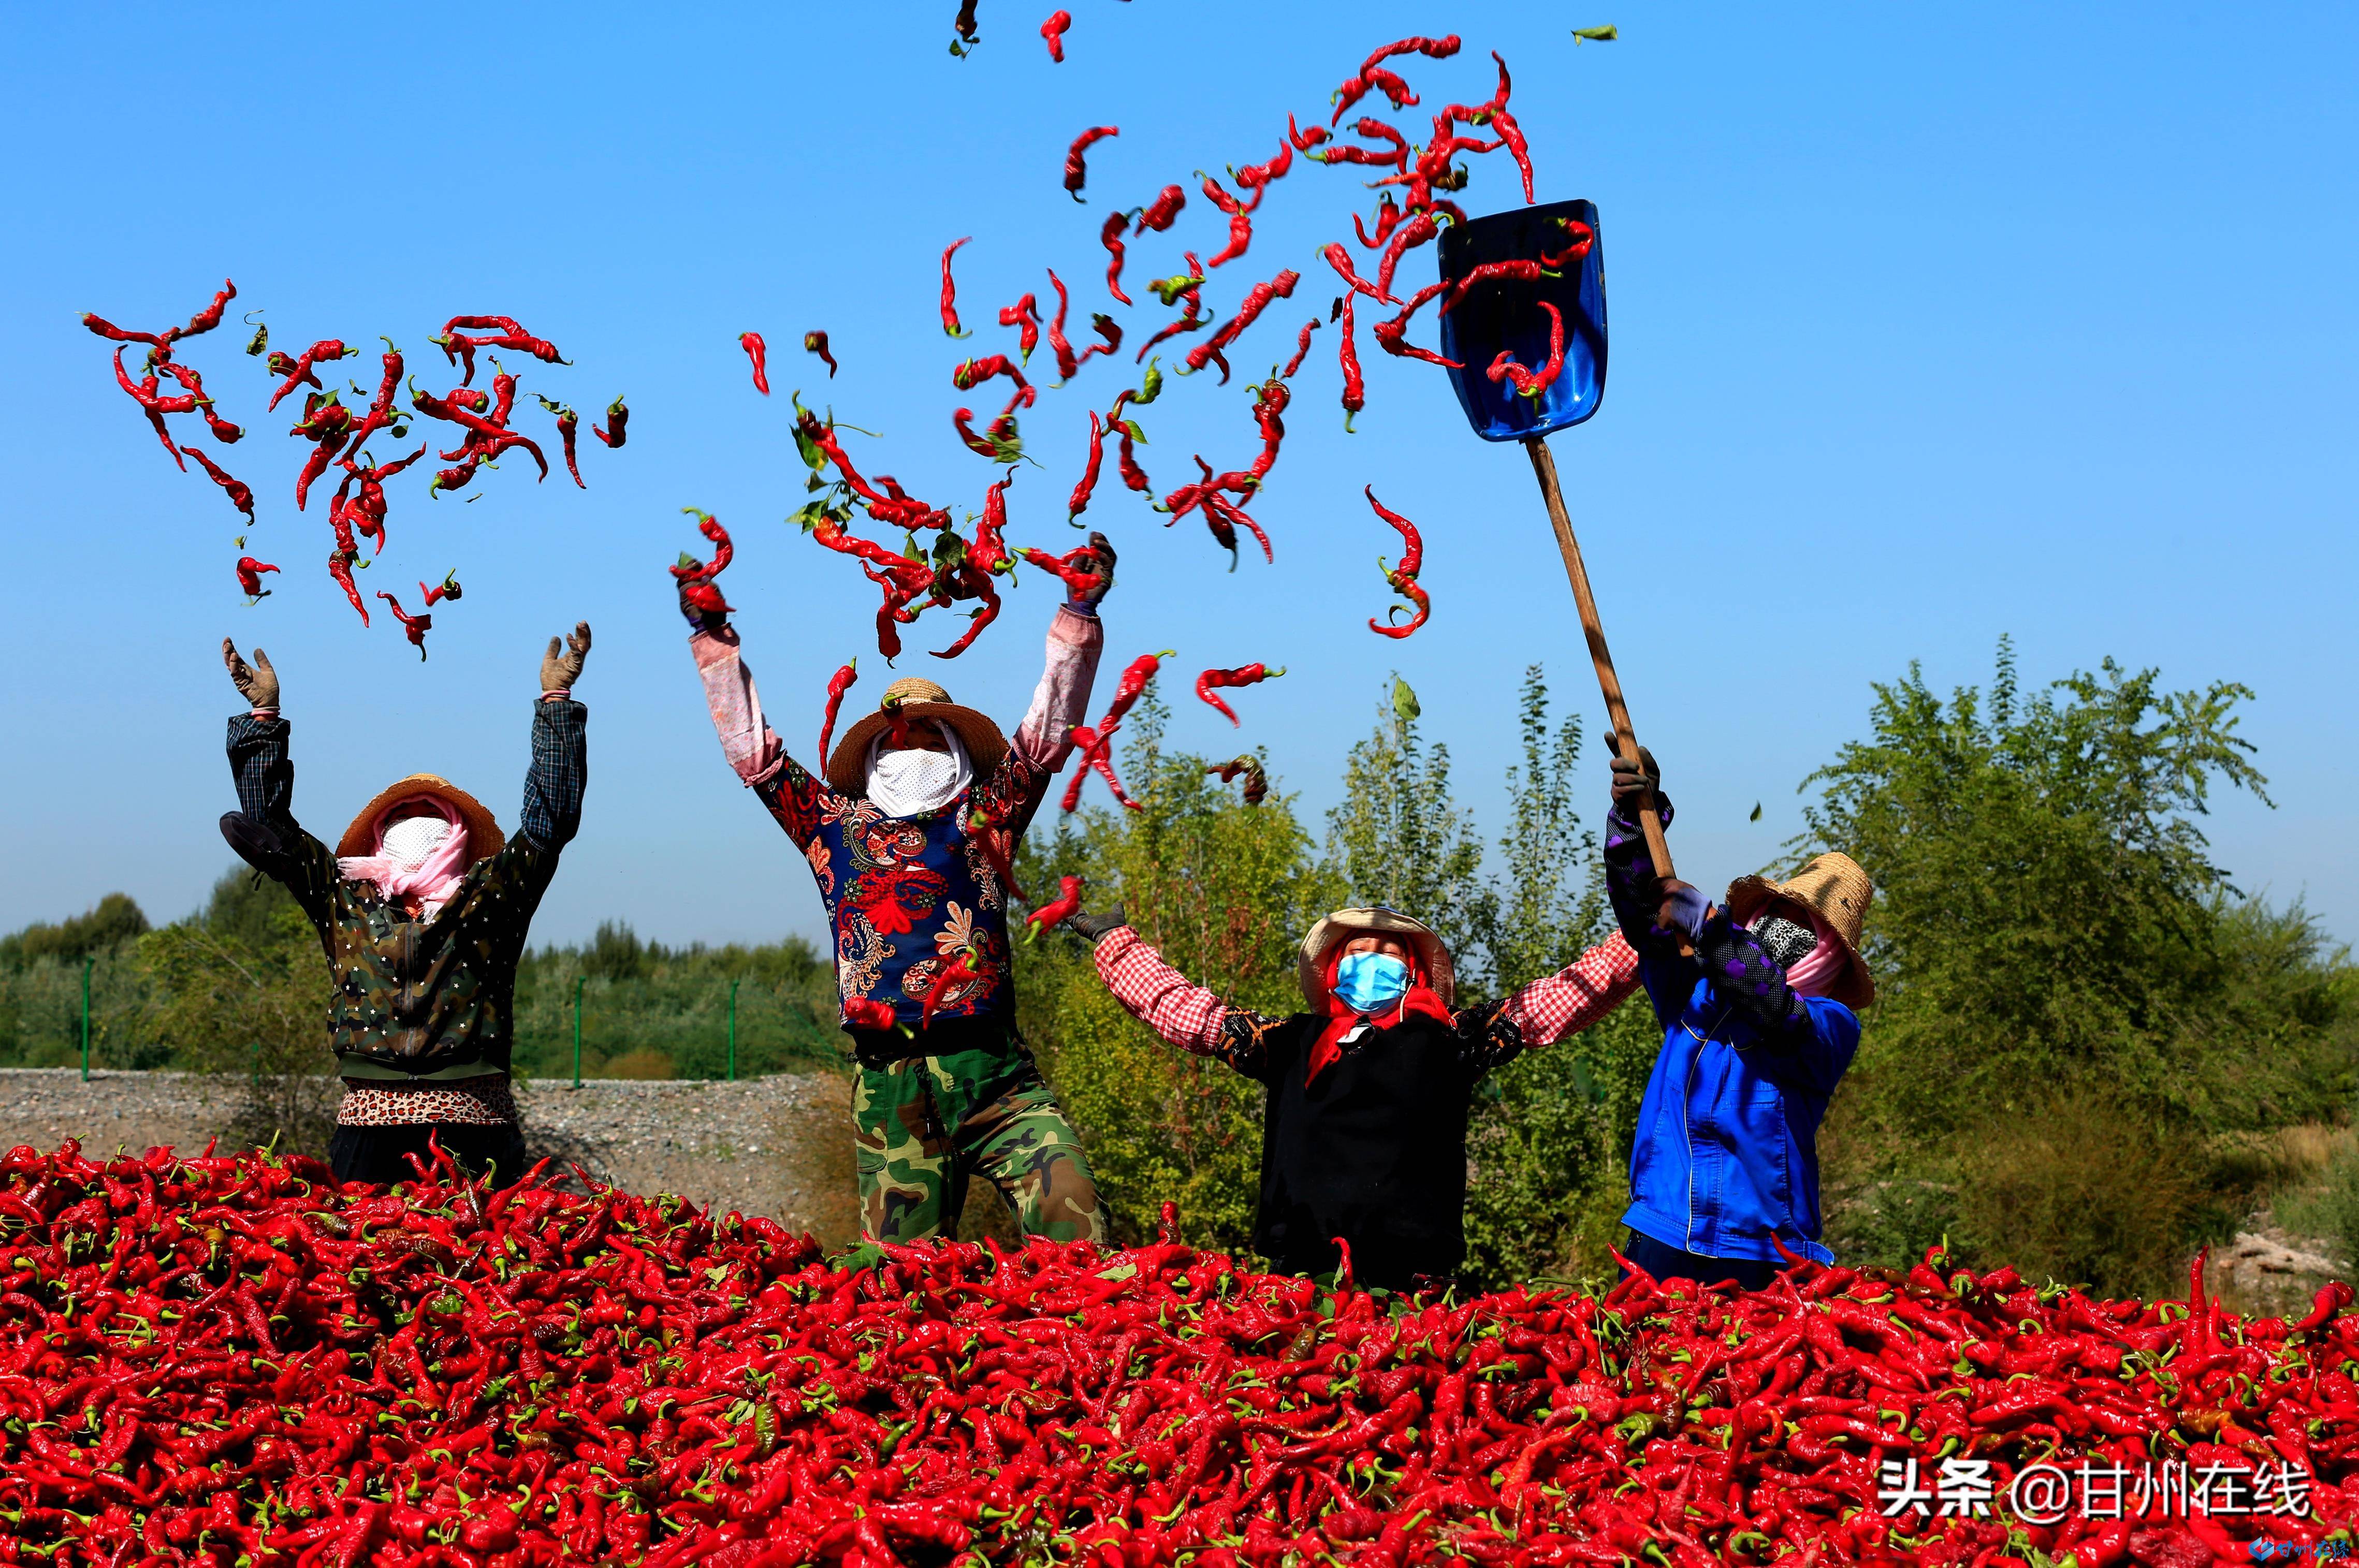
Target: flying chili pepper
point(1053, 30)
point(143, 392)
point(1164, 210)
point(759, 353)
point(1050, 915)
point(1402, 577)
point(301, 369)
point(947, 980)
point(1240, 221)
point(1393, 336)
point(1109, 236)
point(1420, 229)
point(1256, 788)
point(1091, 752)
point(495, 437)
point(696, 578)
point(1245, 674)
point(1534, 384)
point(1301, 348)
point(1303, 140)
point(816, 343)
point(1509, 130)
point(1256, 300)
point(414, 627)
point(1080, 501)
point(241, 494)
point(568, 431)
point(161, 343)
point(1258, 177)
point(447, 589)
point(949, 293)
point(367, 511)
point(1132, 686)
point(617, 417)
point(1355, 394)
point(1068, 363)
point(249, 576)
point(1581, 237)
point(1024, 314)
point(502, 332)
point(1389, 217)
point(963, 25)
point(1521, 271)
point(339, 566)
point(190, 382)
point(1108, 330)
point(866, 1013)
point(325, 424)
point(1076, 171)
point(837, 685)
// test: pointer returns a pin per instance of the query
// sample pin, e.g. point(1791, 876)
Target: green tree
point(1399, 838)
point(113, 922)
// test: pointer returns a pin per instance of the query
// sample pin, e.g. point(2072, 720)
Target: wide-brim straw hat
point(1346, 923)
point(847, 771)
point(483, 836)
point(1835, 887)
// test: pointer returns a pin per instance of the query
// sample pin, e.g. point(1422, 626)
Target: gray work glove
point(561, 666)
point(1103, 564)
point(258, 683)
point(1092, 928)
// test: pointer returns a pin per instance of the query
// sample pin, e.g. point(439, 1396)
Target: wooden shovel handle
point(1625, 742)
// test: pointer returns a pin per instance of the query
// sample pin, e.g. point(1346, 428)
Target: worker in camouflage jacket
point(907, 832)
point(422, 909)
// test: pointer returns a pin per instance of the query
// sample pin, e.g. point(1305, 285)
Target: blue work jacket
point(1726, 1152)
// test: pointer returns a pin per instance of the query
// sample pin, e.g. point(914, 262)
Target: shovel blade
point(1507, 315)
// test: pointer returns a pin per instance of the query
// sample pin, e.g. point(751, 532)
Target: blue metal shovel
point(1506, 314)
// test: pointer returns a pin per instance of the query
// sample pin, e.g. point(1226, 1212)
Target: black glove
point(1101, 563)
point(1684, 909)
point(1092, 928)
point(1630, 786)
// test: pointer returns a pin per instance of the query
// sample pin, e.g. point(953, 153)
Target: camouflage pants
point(920, 1128)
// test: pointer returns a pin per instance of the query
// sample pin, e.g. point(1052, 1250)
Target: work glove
point(711, 620)
point(1090, 928)
point(561, 666)
point(1684, 909)
point(1631, 786)
point(258, 683)
point(1101, 563)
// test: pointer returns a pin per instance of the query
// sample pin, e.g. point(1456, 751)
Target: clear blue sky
point(1929, 326)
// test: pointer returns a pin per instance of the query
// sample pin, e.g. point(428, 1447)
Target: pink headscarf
point(1820, 969)
point(433, 879)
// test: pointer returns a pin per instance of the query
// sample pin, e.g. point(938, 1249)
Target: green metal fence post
point(732, 1032)
point(86, 961)
point(578, 981)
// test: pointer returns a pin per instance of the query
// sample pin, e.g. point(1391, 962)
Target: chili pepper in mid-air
point(1164, 210)
point(950, 292)
point(1393, 336)
point(837, 685)
point(999, 442)
point(447, 589)
point(1256, 788)
point(1355, 394)
point(1420, 229)
point(1049, 915)
point(1258, 177)
point(1301, 348)
point(1024, 315)
point(1096, 752)
point(1389, 217)
point(227, 434)
point(241, 494)
point(502, 332)
point(1256, 300)
point(301, 369)
point(1245, 674)
point(1519, 271)
point(568, 431)
point(1402, 577)
point(947, 980)
point(143, 392)
point(963, 25)
point(617, 416)
point(816, 343)
point(161, 343)
point(1069, 365)
point(867, 1012)
point(1078, 580)
point(415, 627)
point(1109, 331)
point(249, 577)
point(695, 577)
point(1303, 140)
point(339, 566)
point(1533, 384)
point(1077, 172)
point(495, 436)
point(1240, 222)
point(1053, 30)
point(1509, 130)
point(759, 353)
point(1109, 236)
point(1132, 686)
point(1088, 482)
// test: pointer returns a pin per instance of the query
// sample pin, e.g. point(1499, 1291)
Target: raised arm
point(1576, 996)
point(1161, 997)
point(560, 772)
point(262, 829)
point(752, 748)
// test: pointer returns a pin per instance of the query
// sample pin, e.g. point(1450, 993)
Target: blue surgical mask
point(1371, 982)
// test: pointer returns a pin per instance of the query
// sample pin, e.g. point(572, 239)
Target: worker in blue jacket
point(1759, 998)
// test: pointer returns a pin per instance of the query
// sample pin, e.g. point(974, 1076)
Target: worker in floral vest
point(919, 809)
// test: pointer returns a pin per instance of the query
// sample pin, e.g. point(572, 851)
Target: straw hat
point(1835, 887)
point(1345, 924)
point(847, 771)
point(483, 834)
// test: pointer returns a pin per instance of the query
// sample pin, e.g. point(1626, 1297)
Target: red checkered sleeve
point(1574, 997)
point(1159, 996)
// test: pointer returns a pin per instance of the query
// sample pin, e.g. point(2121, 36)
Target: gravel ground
point(776, 1146)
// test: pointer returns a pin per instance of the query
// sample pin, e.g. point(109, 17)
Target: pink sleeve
point(1158, 995)
point(1063, 698)
point(746, 739)
point(1576, 996)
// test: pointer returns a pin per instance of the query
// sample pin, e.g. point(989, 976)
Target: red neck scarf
point(1328, 1049)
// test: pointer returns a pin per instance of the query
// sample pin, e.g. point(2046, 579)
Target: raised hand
point(258, 683)
point(561, 666)
point(1102, 550)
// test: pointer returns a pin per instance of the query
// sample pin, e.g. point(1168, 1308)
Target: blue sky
point(1929, 326)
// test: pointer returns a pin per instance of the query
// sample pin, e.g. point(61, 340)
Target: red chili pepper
point(568, 431)
point(339, 566)
point(1256, 788)
point(1420, 229)
point(1076, 171)
point(759, 353)
point(143, 392)
point(617, 417)
point(241, 494)
point(948, 978)
point(1141, 670)
point(1402, 577)
point(1024, 314)
point(1389, 217)
point(1393, 336)
point(865, 1012)
point(495, 437)
point(837, 685)
point(1256, 300)
point(1302, 140)
point(1341, 260)
point(1534, 384)
point(161, 343)
point(1257, 176)
point(223, 431)
point(950, 292)
point(249, 577)
point(1164, 210)
point(447, 589)
point(1093, 750)
point(1581, 236)
point(1301, 348)
point(1509, 130)
point(1522, 271)
point(1355, 394)
point(816, 343)
point(1079, 503)
point(1050, 915)
point(1053, 30)
point(503, 333)
point(301, 370)
point(1240, 221)
point(414, 626)
point(1245, 674)
point(983, 830)
point(1109, 236)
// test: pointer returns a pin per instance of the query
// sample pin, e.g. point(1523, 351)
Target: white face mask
point(909, 782)
point(409, 841)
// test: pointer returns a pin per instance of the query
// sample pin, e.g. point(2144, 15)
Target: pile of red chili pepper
point(231, 1361)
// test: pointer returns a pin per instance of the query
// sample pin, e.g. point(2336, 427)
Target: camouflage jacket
point(414, 999)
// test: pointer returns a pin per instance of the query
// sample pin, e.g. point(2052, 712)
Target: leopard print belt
point(486, 1101)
